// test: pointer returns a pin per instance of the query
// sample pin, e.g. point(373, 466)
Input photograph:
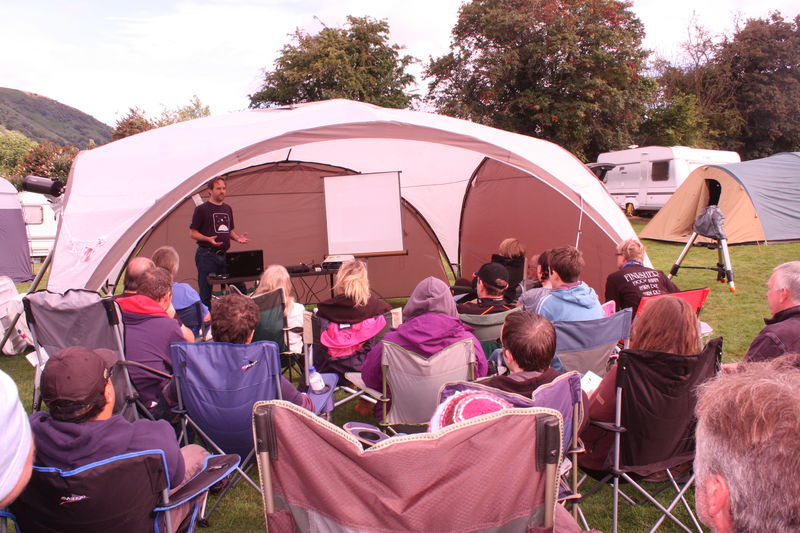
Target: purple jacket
point(425, 335)
point(781, 335)
point(66, 445)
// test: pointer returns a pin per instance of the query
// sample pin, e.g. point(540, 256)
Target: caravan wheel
point(629, 210)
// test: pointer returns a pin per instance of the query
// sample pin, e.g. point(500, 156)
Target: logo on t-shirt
point(222, 223)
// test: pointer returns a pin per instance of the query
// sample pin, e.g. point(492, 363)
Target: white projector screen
point(362, 212)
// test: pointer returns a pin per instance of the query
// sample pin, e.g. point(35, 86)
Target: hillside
point(40, 118)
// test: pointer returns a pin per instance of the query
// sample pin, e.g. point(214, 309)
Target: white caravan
point(40, 223)
point(643, 179)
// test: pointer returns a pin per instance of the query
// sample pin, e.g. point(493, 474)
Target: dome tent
point(136, 193)
point(16, 258)
point(759, 199)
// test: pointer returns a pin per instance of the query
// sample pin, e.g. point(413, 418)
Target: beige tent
point(759, 199)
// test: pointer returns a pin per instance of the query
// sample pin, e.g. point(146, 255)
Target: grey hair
point(788, 277)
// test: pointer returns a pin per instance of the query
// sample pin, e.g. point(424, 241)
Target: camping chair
point(192, 318)
point(654, 422)
point(586, 345)
point(217, 385)
point(711, 224)
point(319, 357)
point(94, 498)
point(452, 480)
point(696, 298)
point(411, 382)
point(81, 318)
point(487, 328)
point(272, 327)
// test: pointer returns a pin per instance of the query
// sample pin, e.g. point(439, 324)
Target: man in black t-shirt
point(633, 280)
point(212, 228)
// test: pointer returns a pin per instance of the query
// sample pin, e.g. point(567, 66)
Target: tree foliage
point(131, 124)
point(13, 148)
point(674, 122)
point(355, 62)
point(746, 87)
point(195, 109)
point(569, 71)
point(47, 160)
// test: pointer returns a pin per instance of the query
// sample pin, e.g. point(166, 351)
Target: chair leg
point(655, 502)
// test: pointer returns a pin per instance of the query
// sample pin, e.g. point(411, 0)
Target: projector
point(333, 262)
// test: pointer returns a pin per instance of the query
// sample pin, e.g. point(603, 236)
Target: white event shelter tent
point(464, 188)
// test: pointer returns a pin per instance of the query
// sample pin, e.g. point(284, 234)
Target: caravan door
point(625, 184)
point(659, 184)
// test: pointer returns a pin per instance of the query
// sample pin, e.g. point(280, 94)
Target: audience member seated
point(746, 462)
point(782, 332)
point(183, 294)
point(16, 444)
point(133, 271)
point(234, 318)
point(569, 298)
point(80, 429)
point(667, 325)
point(539, 286)
point(633, 280)
point(354, 305)
point(149, 331)
point(277, 277)
point(430, 324)
point(492, 284)
point(511, 254)
point(529, 345)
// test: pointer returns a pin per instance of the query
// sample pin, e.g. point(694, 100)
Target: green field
point(737, 317)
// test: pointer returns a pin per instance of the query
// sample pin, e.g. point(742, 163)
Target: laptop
point(248, 263)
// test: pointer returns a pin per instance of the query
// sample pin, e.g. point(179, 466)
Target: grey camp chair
point(411, 382)
point(487, 328)
point(587, 344)
point(79, 318)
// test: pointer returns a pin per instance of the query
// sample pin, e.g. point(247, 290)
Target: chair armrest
point(355, 379)
point(608, 426)
point(146, 368)
point(215, 469)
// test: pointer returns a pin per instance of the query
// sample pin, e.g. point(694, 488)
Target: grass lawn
point(737, 317)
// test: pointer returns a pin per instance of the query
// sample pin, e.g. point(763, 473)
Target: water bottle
point(315, 381)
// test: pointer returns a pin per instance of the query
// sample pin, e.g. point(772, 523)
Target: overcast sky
point(103, 57)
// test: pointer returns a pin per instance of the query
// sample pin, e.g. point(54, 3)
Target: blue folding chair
point(586, 345)
point(93, 498)
point(192, 318)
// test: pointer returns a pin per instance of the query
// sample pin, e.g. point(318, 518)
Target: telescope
point(38, 184)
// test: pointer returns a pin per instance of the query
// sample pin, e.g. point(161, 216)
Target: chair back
point(414, 380)
point(487, 327)
point(192, 317)
point(587, 344)
point(218, 383)
point(426, 482)
point(657, 406)
point(321, 357)
point(271, 319)
point(94, 498)
point(696, 298)
point(79, 318)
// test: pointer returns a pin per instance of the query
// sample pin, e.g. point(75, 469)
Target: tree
point(674, 122)
point(131, 124)
point(13, 148)
point(762, 63)
point(47, 160)
point(569, 71)
point(195, 109)
point(355, 62)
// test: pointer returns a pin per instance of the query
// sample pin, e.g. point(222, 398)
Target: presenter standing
point(212, 227)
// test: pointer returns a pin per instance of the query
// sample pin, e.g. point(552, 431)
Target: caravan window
point(33, 214)
point(660, 171)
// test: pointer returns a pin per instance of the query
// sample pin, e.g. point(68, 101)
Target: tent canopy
point(759, 199)
point(15, 261)
point(138, 192)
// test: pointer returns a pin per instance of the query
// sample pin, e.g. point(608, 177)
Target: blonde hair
point(511, 247)
point(167, 258)
point(352, 281)
point(276, 277)
point(631, 250)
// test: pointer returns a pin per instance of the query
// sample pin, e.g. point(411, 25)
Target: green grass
point(737, 317)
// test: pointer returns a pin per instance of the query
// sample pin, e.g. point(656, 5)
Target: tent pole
point(34, 286)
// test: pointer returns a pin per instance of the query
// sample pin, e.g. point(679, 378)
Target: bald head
point(136, 267)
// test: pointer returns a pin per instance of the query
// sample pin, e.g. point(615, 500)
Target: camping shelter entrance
point(282, 204)
point(15, 261)
point(119, 192)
